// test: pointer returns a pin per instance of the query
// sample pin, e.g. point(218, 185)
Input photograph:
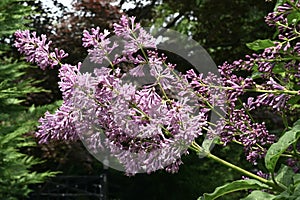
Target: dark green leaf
point(296, 179)
point(278, 68)
point(283, 196)
point(256, 75)
point(259, 195)
point(260, 44)
point(293, 17)
point(198, 2)
point(285, 175)
point(233, 187)
point(293, 100)
point(279, 147)
point(297, 191)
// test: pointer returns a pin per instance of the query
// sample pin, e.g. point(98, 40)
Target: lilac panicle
point(125, 26)
point(253, 136)
point(36, 49)
point(147, 128)
point(276, 57)
point(208, 90)
point(61, 124)
point(98, 44)
point(140, 124)
point(238, 126)
point(135, 37)
point(57, 126)
point(68, 77)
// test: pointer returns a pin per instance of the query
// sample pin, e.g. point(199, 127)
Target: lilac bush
point(148, 128)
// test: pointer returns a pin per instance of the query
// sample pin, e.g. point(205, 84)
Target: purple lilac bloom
point(269, 64)
point(207, 90)
point(277, 102)
point(276, 57)
point(62, 124)
point(145, 130)
point(157, 127)
point(238, 126)
point(98, 44)
point(57, 126)
point(134, 35)
point(142, 130)
point(157, 69)
point(36, 49)
point(263, 175)
point(294, 164)
point(68, 77)
point(287, 37)
point(253, 136)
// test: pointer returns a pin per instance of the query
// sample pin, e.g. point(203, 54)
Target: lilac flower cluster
point(134, 35)
point(61, 124)
point(236, 125)
point(286, 49)
point(253, 136)
point(207, 89)
point(144, 127)
point(36, 49)
point(148, 127)
point(144, 130)
point(277, 71)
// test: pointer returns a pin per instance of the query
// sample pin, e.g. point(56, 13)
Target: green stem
point(280, 59)
point(228, 164)
point(245, 172)
point(291, 92)
point(257, 89)
point(199, 150)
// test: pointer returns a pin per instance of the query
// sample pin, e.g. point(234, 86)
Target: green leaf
point(285, 175)
point(31, 109)
point(256, 75)
point(259, 195)
point(209, 143)
point(279, 147)
point(233, 187)
point(296, 179)
point(279, 68)
point(260, 44)
point(296, 192)
point(292, 193)
point(255, 68)
point(293, 17)
point(293, 100)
